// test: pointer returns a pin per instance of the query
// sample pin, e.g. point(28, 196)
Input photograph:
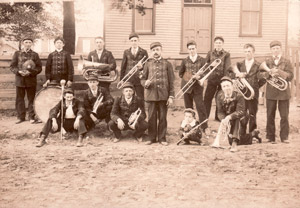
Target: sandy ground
point(131, 174)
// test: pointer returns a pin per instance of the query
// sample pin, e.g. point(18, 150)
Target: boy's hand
point(54, 124)
point(69, 83)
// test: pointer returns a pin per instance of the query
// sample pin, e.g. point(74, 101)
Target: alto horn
point(276, 81)
point(242, 85)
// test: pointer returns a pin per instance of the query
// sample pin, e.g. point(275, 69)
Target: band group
point(149, 80)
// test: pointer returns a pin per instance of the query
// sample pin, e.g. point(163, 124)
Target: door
point(197, 24)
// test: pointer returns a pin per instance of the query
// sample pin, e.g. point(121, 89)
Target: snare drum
point(45, 100)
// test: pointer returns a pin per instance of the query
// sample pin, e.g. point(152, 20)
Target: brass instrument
point(242, 85)
point(134, 118)
point(88, 67)
point(131, 72)
point(276, 81)
point(223, 132)
point(97, 103)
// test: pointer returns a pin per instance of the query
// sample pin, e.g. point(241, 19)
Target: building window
point(197, 2)
point(144, 23)
point(250, 19)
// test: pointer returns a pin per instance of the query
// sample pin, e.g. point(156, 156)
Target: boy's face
point(249, 53)
point(156, 51)
point(59, 44)
point(134, 42)
point(276, 50)
point(99, 44)
point(192, 50)
point(69, 97)
point(218, 44)
point(227, 88)
point(93, 84)
point(188, 117)
point(128, 92)
point(27, 44)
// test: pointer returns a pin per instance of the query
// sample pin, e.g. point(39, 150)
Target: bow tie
point(276, 58)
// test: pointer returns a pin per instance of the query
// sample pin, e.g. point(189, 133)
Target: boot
point(41, 141)
point(79, 142)
point(234, 145)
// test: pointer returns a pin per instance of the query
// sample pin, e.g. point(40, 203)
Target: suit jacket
point(89, 99)
point(129, 61)
point(106, 58)
point(187, 70)
point(18, 59)
point(285, 71)
point(235, 107)
point(123, 110)
point(251, 77)
point(77, 107)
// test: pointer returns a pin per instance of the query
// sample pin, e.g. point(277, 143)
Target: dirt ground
point(131, 174)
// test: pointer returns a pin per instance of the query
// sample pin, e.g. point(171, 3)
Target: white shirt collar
point(58, 50)
point(194, 58)
point(128, 100)
point(185, 122)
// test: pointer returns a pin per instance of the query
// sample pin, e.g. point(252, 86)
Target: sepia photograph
point(149, 103)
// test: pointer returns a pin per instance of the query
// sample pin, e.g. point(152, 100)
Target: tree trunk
point(69, 26)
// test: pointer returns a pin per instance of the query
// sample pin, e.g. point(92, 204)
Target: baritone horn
point(276, 81)
point(134, 118)
point(132, 71)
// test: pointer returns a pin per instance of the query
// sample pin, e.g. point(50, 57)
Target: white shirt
point(277, 60)
point(249, 64)
point(99, 53)
point(59, 50)
point(128, 100)
point(134, 51)
point(194, 58)
point(94, 92)
point(69, 112)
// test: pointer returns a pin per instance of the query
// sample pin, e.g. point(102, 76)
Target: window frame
point(259, 34)
point(134, 10)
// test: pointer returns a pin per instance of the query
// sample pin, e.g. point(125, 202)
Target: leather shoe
point(148, 143)
point(285, 141)
point(41, 141)
point(164, 143)
point(20, 121)
point(115, 140)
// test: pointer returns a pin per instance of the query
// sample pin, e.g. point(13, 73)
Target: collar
point(29, 50)
point(194, 58)
point(184, 123)
point(70, 103)
point(99, 51)
point(218, 52)
point(58, 50)
point(128, 100)
point(249, 62)
point(157, 60)
point(279, 56)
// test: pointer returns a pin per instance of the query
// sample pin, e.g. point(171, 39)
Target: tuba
point(132, 71)
point(242, 85)
point(223, 132)
point(276, 81)
point(88, 68)
point(97, 103)
point(134, 118)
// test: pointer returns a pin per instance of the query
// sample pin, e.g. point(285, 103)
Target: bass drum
point(45, 100)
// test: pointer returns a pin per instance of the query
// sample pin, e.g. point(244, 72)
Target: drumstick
point(62, 84)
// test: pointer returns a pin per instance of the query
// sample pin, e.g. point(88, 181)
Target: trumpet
point(276, 81)
point(223, 132)
point(97, 103)
point(132, 71)
point(134, 118)
point(242, 85)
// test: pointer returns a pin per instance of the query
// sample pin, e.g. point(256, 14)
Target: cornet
point(131, 72)
point(97, 103)
point(223, 132)
point(276, 81)
point(134, 118)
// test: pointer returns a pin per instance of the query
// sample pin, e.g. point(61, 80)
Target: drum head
point(45, 100)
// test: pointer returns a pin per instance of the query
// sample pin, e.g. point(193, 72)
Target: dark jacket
point(235, 107)
point(285, 71)
point(77, 107)
point(18, 59)
point(251, 77)
point(188, 69)
point(59, 66)
point(122, 110)
point(89, 99)
point(129, 61)
point(106, 58)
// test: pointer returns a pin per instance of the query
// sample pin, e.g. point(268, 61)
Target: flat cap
point(190, 110)
point(219, 38)
point(68, 90)
point(59, 38)
point(191, 42)
point(92, 77)
point(133, 35)
point(275, 43)
point(225, 78)
point(128, 85)
point(27, 38)
point(155, 44)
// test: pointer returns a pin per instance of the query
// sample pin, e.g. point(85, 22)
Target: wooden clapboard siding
point(227, 24)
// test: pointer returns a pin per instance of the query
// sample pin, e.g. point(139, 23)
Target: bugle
point(132, 71)
point(276, 81)
point(134, 118)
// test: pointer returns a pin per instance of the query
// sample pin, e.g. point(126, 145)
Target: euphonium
point(97, 103)
point(276, 81)
point(223, 132)
point(134, 118)
point(131, 72)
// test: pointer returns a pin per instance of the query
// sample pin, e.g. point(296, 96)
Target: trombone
point(132, 71)
point(275, 81)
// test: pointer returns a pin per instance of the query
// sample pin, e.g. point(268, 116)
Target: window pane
point(148, 3)
point(144, 23)
point(246, 5)
point(188, 1)
point(254, 6)
point(250, 23)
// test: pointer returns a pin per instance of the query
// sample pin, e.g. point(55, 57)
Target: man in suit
point(279, 67)
point(213, 81)
point(101, 55)
point(249, 69)
point(26, 65)
point(123, 108)
point(132, 57)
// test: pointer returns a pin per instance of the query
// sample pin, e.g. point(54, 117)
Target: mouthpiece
point(62, 82)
